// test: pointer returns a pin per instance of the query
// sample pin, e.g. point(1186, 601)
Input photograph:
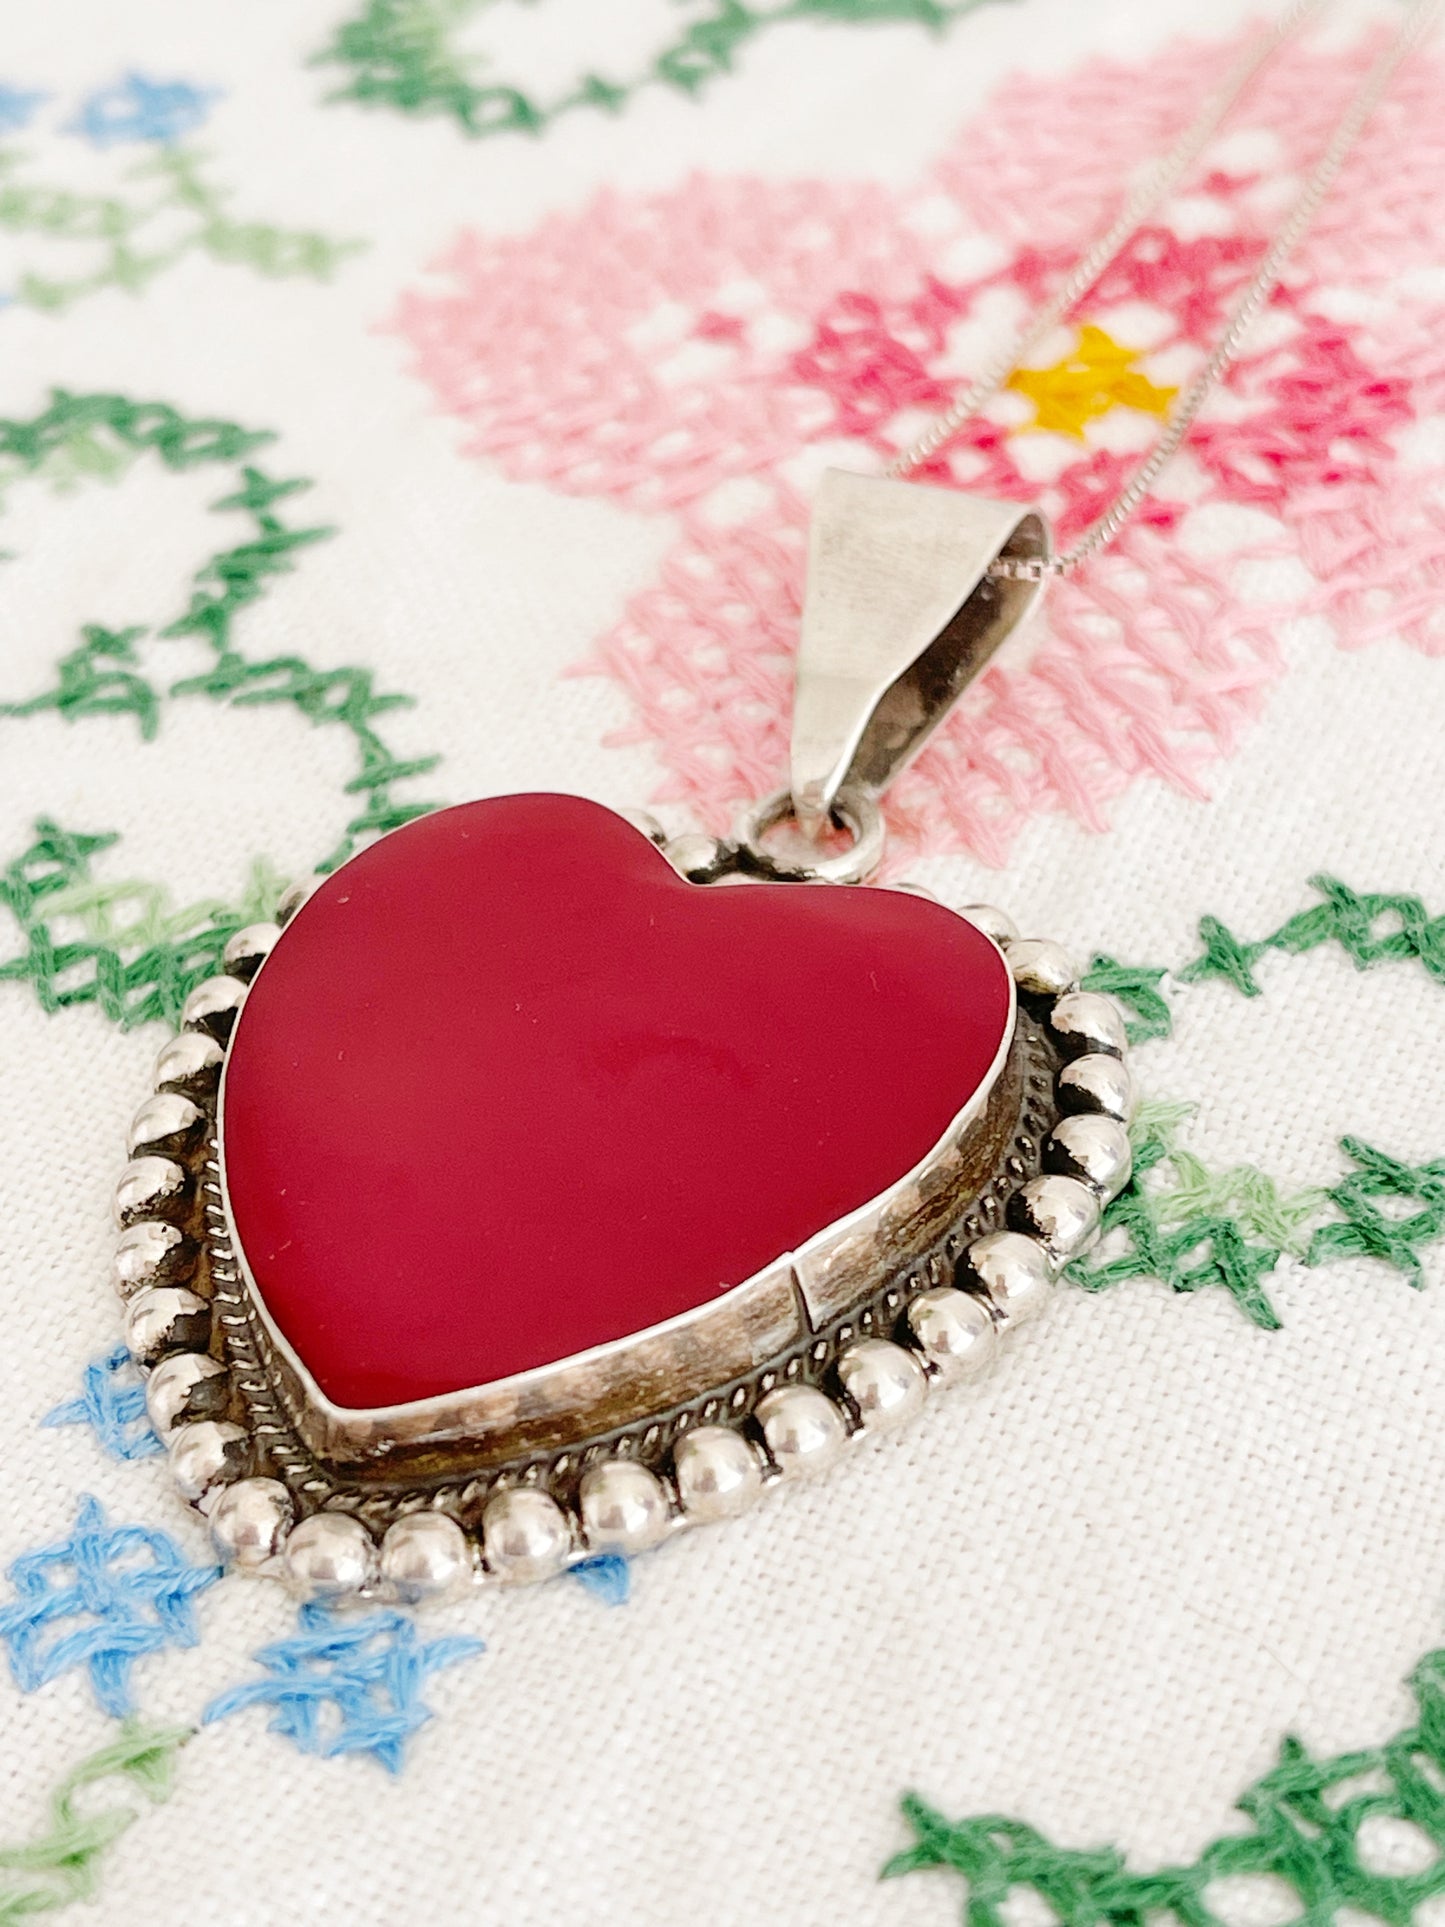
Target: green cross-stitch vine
point(1305, 1817)
point(116, 945)
point(1371, 927)
point(1230, 1229)
point(80, 436)
point(61, 1865)
point(405, 54)
point(167, 209)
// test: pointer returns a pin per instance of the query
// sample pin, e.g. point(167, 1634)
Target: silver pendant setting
point(687, 1423)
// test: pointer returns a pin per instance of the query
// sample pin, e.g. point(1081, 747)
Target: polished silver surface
point(250, 1520)
point(1062, 1213)
point(1041, 968)
point(248, 949)
point(212, 1006)
point(954, 1331)
point(330, 1555)
point(899, 615)
point(190, 1063)
point(166, 1125)
point(802, 1429)
point(426, 1556)
point(525, 1536)
point(152, 1252)
point(1086, 1020)
point(1097, 1083)
point(292, 898)
point(1093, 1147)
point(623, 1507)
point(993, 922)
point(697, 857)
point(885, 1383)
point(854, 814)
point(206, 1453)
point(150, 1187)
point(1014, 1270)
point(166, 1318)
point(185, 1386)
point(716, 1472)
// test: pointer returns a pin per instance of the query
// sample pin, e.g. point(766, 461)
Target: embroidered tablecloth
point(408, 400)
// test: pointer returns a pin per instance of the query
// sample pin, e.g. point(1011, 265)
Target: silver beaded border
point(208, 1397)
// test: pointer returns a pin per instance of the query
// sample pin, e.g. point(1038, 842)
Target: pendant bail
point(899, 615)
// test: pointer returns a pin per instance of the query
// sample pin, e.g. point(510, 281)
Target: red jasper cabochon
point(508, 1087)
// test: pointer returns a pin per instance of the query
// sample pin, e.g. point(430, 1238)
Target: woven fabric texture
point(409, 402)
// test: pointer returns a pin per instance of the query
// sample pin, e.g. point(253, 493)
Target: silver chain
point(1420, 18)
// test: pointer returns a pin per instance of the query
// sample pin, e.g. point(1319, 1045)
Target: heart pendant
point(536, 1188)
point(522, 1200)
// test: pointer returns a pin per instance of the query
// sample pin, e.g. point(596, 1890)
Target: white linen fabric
point(1092, 1593)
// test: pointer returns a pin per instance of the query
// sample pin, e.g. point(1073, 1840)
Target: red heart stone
point(508, 1087)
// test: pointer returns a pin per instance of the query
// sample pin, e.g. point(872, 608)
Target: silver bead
point(645, 821)
point(525, 1535)
point(1097, 1083)
point(152, 1252)
point(212, 1006)
point(164, 1124)
point(1015, 1271)
point(166, 1318)
point(623, 1507)
point(292, 898)
point(1093, 1148)
point(250, 1520)
point(803, 1429)
point(185, 1386)
point(190, 1064)
point(886, 1383)
point(954, 1331)
point(149, 1187)
point(1062, 1213)
point(425, 1556)
point(922, 890)
point(248, 949)
point(717, 1473)
point(208, 1453)
point(1086, 1020)
point(1041, 968)
point(993, 922)
point(329, 1555)
point(694, 856)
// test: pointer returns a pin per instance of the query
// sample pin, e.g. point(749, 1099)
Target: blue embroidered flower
point(347, 1685)
point(607, 1577)
point(17, 107)
point(113, 1403)
point(137, 109)
point(129, 1590)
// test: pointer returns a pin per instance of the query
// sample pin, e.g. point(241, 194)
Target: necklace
point(538, 1186)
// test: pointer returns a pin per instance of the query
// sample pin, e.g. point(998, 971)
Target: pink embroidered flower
point(654, 349)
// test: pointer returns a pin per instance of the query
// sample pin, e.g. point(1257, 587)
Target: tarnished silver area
point(553, 1405)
